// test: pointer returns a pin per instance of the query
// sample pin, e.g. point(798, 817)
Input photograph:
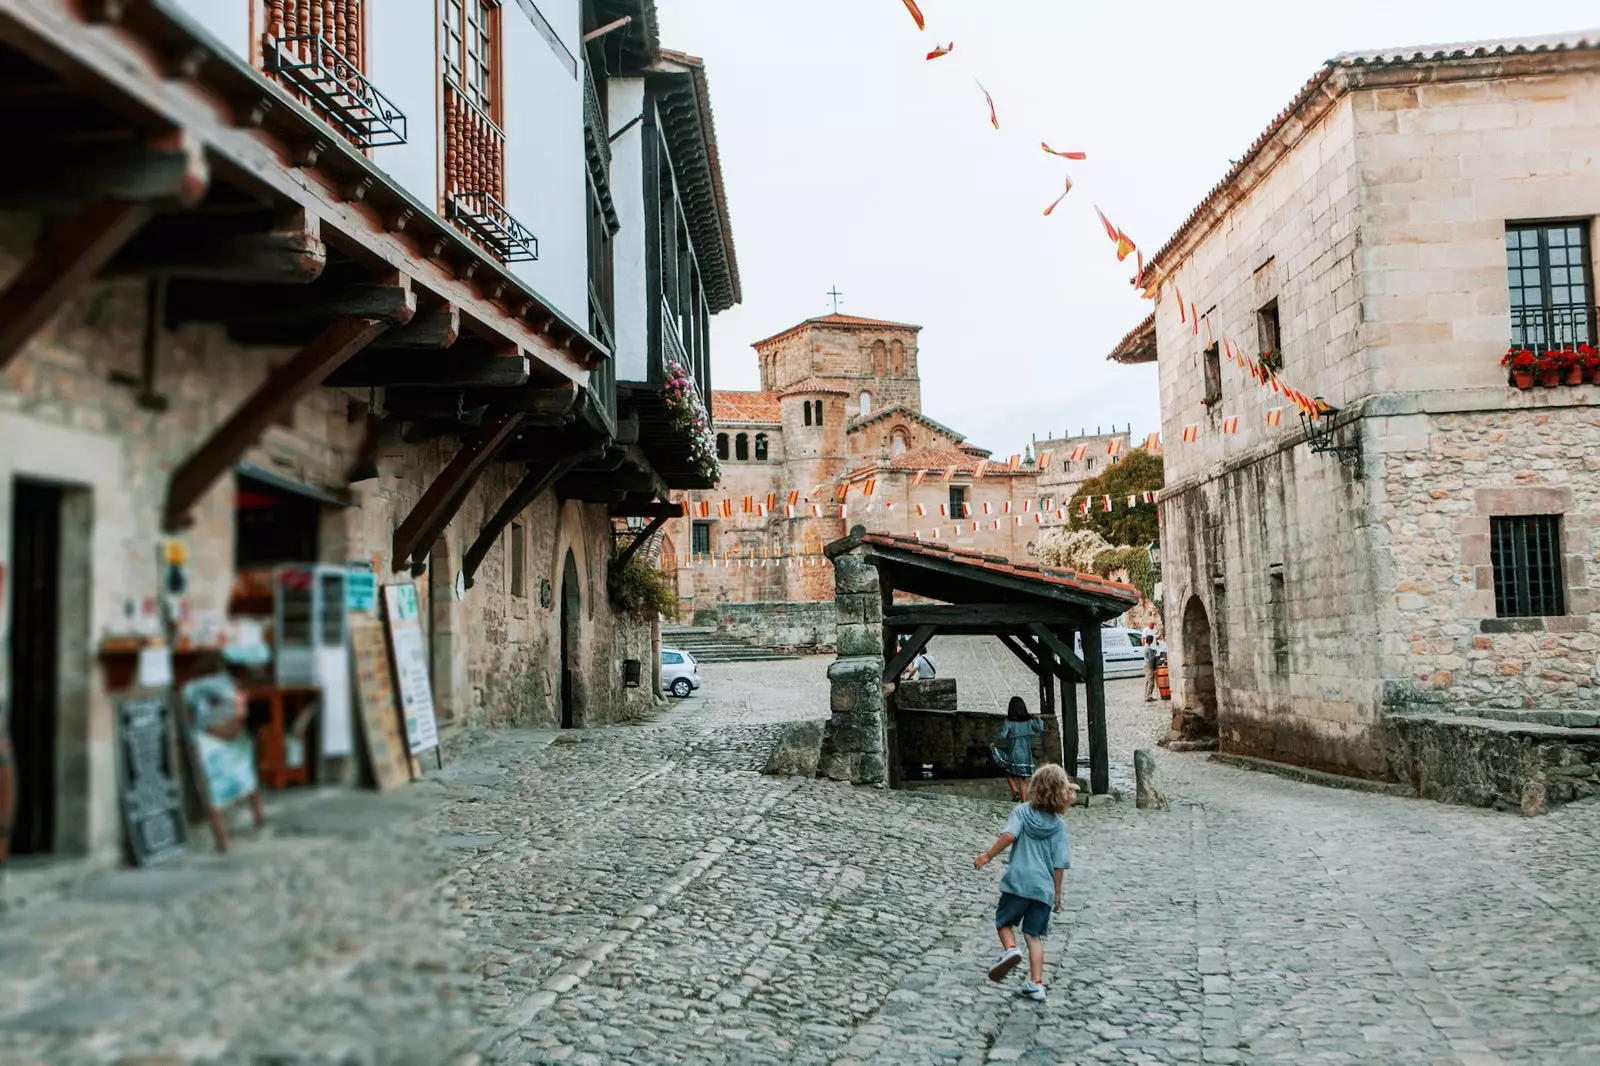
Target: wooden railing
point(475, 148)
point(338, 22)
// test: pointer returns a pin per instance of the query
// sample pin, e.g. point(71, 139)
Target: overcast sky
point(852, 161)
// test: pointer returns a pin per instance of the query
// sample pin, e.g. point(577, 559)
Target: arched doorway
point(571, 612)
point(1199, 671)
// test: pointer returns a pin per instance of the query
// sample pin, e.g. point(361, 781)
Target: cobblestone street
point(643, 894)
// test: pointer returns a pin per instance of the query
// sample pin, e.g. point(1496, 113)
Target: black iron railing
point(336, 89)
point(1526, 550)
point(1553, 326)
point(596, 139)
point(485, 219)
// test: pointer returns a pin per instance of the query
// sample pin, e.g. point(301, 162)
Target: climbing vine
point(1135, 562)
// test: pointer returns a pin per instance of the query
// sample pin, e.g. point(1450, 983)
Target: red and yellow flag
point(941, 50)
point(919, 477)
point(1152, 443)
point(1191, 433)
point(1275, 416)
point(794, 497)
point(1044, 459)
point(1114, 447)
point(1064, 155)
point(916, 13)
point(1057, 203)
point(949, 473)
point(994, 116)
point(1230, 424)
point(1078, 453)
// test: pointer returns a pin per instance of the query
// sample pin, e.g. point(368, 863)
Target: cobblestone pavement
point(641, 894)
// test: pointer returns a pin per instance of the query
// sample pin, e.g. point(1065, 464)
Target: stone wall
point(801, 626)
point(1481, 762)
point(957, 743)
point(855, 741)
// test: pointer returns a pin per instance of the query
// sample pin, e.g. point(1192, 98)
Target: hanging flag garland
point(916, 13)
point(940, 50)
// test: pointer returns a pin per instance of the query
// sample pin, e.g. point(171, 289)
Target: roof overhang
point(900, 410)
point(683, 97)
point(1139, 346)
point(635, 47)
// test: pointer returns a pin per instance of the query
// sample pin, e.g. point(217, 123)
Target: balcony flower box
point(1523, 364)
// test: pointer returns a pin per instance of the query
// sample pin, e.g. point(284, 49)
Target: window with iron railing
point(316, 49)
point(1550, 273)
point(1526, 552)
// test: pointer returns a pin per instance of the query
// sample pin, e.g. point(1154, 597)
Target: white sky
point(851, 160)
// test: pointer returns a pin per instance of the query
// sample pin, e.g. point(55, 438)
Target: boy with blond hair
point(1031, 887)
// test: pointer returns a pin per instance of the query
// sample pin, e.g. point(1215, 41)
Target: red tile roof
point(1317, 95)
point(745, 407)
point(813, 386)
point(999, 564)
point(938, 459)
point(839, 322)
point(1139, 346)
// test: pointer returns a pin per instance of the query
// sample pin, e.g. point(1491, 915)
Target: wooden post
point(1069, 725)
point(1095, 687)
point(1047, 702)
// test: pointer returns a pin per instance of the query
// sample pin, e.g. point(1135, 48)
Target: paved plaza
point(642, 894)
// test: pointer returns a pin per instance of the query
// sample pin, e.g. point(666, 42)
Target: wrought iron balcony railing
point(484, 219)
point(1554, 326)
point(596, 139)
point(336, 89)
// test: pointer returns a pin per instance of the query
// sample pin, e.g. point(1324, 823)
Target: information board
point(379, 714)
point(403, 616)
point(152, 804)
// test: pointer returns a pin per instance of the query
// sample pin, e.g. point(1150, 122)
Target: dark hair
point(1016, 710)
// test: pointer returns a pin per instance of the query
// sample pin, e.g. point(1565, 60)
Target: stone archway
point(1198, 718)
point(571, 618)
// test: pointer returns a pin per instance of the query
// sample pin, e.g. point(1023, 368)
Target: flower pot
point(1522, 378)
point(1575, 374)
point(1550, 378)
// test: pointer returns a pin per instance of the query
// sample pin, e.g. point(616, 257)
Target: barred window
point(1526, 551)
point(701, 544)
point(1551, 278)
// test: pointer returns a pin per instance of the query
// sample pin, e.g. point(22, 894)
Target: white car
point(680, 674)
point(1121, 650)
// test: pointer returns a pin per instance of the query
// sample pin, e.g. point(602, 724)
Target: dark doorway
point(571, 605)
point(35, 662)
point(273, 526)
point(1199, 671)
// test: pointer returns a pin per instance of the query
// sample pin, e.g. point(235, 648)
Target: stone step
point(710, 646)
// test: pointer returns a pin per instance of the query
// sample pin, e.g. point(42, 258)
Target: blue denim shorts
point(1032, 914)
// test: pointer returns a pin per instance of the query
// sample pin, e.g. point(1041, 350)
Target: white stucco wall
point(226, 20)
point(545, 165)
point(629, 246)
point(404, 66)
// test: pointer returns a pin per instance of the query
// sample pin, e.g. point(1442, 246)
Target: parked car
point(680, 674)
point(1122, 651)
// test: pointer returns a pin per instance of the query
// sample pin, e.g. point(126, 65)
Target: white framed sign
point(403, 616)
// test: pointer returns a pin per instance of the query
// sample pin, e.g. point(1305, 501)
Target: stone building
point(253, 321)
point(839, 411)
point(1403, 219)
point(1075, 458)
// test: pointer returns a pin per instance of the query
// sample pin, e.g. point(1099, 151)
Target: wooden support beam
point(54, 177)
point(648, 510)
point(220, 301)
point(69, 255)
point(444, 497)
point(540, 476)
point(392, 368)
point(1095, 687)
point(906, 655)
point(1069, 725)
point(1013, 615)
point(1047, 701)
point(197, 247)
point(284, 386)
point(1017, 649)
point(1060, 647)
point(431, 328)
point(638, 542)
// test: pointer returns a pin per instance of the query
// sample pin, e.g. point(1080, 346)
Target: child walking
point(1031, 887)
point(1014, 753)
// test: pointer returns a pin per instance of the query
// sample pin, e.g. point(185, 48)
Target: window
point(469, 51)
point(722, 445)
point(808, 412)
point(1213, 394)
point(1551, 277)
point(474, 191)
point(1267, 332)
point(517, 546)
point(671, 658)
point(741, 446)
point(897, 443)
point(866, 402)
point(958, 499)
point(1526, 552)
point(761, 447)
point(819, 412)
point(700, 538)
point(1088, 464)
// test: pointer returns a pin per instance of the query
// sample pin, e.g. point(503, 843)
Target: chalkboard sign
point(152, 804)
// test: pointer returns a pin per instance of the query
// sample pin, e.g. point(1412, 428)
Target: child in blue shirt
point(1031, 887)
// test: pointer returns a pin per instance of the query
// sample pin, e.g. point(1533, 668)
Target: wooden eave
point(681, 99)
point(149, 62)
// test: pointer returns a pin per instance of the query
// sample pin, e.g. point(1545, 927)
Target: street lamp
point(1153, 550)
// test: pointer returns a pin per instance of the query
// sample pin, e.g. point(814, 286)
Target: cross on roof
point(835, 293)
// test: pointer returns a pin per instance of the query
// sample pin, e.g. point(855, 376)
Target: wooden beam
point(648, 510)
point(1095, 686)
point(921, 571)
point(431, 328)
point(1060, 647)
point(904, 657)
point(55, 176)
point(1047, 701)
point(444, 497)
point(392, 368)
point(540, 476)
point(284, 386)
point(220, 301)
point(1014, 615)
point(638, 542)
point(69, 255)
point(1025, 654)
point(197, 247)
point(1069, 725)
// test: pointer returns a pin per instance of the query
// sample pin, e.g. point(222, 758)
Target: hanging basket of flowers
point(689, 413)
point(1523, 365)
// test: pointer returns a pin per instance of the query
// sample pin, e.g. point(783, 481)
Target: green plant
point(1138, 473)
point(1272, 361)
point(1212, 398)
point(639, 590)
point(1135, 562)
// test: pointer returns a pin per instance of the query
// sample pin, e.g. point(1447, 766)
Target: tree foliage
point(1138, 472)
point(1070, 549)
point(639, 590)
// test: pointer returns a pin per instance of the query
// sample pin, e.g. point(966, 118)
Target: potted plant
point(1552, 369)
point(1573, 362)
point(1523, 365)
point(1272, 361)
point(1589, 359)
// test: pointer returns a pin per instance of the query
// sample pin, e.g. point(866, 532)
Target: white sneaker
point(1008, 961)
point(1032, 991)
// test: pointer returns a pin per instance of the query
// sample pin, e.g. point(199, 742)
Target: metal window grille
point(1526, 551)
point(702, 538)
point(1551, 279)
point(958, 499)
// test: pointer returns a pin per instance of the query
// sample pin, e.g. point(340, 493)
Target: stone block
point(797, 752)
point(1524, 500)
point(938, 694)
point(847, 609)
point(852, 573)
point(860, 641)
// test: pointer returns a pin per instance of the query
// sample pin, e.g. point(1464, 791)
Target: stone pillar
point(855, 745)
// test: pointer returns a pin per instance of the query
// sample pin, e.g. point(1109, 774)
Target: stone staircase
point(710, 646)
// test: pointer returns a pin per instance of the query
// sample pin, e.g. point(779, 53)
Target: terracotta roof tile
point(900, 410)
point(1090, 583)
point(813, 386)
point(745, 407)
point(839, 322)
point(1139, 346)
